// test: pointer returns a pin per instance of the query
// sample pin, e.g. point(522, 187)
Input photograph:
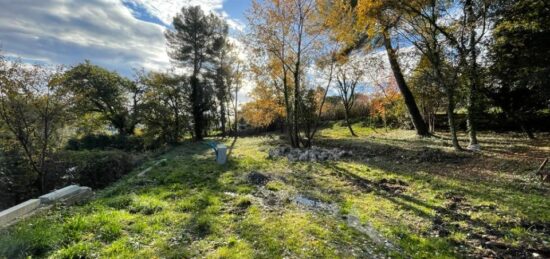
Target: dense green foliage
point(102, 142)
point(93, 168)
point(94, 89)
point(166, 118)
point(520, 60)
point(96, 169)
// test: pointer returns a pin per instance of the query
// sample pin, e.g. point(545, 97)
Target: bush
point(93, 168)
point(96, 169)
point(18, 182)
point(89, 142)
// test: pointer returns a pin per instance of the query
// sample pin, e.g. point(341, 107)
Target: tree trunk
point(472, 112)
point(198, 116)
point(177, 132)
point(289, 112)
point(473, 80)
point(526, 129)
point(451, 118)
point(416, 117)
point(346, 113)
point(432, 122)
point(222, 118)
point(295, 130)
point(236, 125)
point(449, 91)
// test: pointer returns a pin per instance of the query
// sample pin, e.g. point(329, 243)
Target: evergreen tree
point(191, 46)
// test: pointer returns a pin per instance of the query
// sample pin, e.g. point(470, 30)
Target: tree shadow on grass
point(232, 147)
point(455, 188)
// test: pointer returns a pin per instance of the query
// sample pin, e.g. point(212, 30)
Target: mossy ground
point(428, 200)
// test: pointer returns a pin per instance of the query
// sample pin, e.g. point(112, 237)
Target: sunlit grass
point(192, 207)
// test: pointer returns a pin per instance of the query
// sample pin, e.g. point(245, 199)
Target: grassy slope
point(191, 207)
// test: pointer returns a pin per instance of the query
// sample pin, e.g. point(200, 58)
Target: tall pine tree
point(191, 46)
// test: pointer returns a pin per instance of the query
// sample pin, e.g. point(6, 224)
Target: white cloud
point(106, 32)
point(69, 31)
point(165, 10)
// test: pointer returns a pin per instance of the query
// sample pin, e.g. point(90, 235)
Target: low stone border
point(142, 173)
point(68, 195)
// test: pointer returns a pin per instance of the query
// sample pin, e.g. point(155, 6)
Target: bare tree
point(348, 76)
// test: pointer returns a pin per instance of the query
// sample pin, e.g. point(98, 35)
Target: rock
point(323, 156)
point(257, 178)
point(304, 156)
point(315, 154)
point(474, 148)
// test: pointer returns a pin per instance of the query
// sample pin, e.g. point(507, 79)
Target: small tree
point(165, 105)
point(348, 76)
point(288, 39)
point(222, 74)
point(33, 107)
point(265, 108)
point(424, 82)
point(463, 24)
point(434, 65)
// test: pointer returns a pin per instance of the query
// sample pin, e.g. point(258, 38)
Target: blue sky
point(117, 34)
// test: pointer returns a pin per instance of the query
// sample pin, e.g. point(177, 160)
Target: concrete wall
point(18, 211)
point(68, 195)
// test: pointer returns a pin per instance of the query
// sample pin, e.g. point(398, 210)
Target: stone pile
point(315, 154)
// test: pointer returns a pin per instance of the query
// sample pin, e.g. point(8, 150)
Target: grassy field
point(397, 195)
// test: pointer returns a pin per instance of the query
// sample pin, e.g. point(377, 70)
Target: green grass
point(192, 207)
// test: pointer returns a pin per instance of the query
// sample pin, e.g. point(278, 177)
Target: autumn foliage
point(265, 107)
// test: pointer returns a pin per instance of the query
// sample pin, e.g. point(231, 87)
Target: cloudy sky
point(120, 35)
point(117, 34)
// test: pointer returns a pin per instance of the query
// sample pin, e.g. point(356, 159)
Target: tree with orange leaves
point(288, 40)
point(371, 23)
point(265, 108)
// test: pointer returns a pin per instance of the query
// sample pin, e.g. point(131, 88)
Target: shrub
point(95, 169)
point(17, 181)
point(88, 142)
